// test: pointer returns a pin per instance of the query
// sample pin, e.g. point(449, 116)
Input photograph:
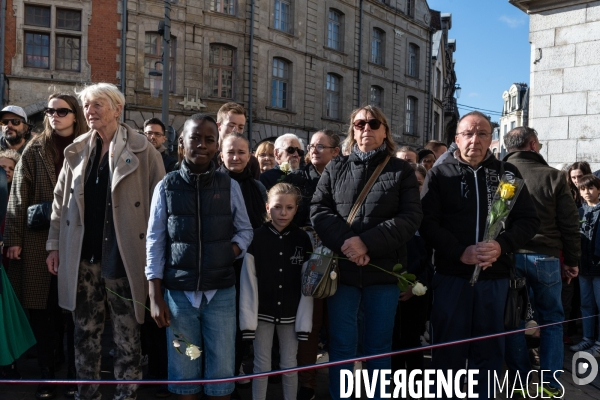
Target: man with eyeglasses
point(288, 149)
point(456, 197)
point(154, 130)
point(16, 132)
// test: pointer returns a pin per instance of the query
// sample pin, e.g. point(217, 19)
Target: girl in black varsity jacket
point(270, 296)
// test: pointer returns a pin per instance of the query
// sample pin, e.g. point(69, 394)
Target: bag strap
point(363, 194)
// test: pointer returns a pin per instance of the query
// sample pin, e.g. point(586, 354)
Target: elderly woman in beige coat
point(98, 235)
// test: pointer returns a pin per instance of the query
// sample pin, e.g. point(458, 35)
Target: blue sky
point(493, 51)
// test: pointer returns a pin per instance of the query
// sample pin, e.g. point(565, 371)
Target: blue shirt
point(156, 239)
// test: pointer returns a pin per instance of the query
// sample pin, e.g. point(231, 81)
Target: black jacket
point(455, 207)
point(306, 180)
point(200, 228)
point(271, 275)
point(271, 177)
point(554, 204)
point(590, 262)
point(385, 222)
point(169, 161)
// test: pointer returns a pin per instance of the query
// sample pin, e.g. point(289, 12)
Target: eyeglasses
point(157, 134)
point(265, 155)
point(480, 135)
point(361, 123)
point(291, 150)
point(318, 147)
point(14, 122)
point(61, 112)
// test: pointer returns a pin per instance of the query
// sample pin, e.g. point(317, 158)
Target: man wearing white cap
point(15, 129)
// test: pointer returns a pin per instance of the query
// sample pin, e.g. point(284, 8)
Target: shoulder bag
point(38, 215)
point(320, 277)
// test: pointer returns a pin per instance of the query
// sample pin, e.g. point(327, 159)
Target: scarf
point(255, 204)
point(366, 156)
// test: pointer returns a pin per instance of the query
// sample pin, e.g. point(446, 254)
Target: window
point(440, 84)
point(410, 8)
point(505, 129)
point(512, 125)
point(221, 71)
point(413, 60)
point(411, 115)
point(223, 6)
point(68, 19)
point(47, 48)
point(279, 85)
point(283, 15)
point(37, 50)
point(333, 86)
point(376, 98)
point(377, 40)
point(37, 16)
point(153, 54)
point(513, 103)
point(334, 30)
point(436, 124)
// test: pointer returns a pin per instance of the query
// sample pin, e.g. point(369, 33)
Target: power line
point(479, 109)
point(495, 114)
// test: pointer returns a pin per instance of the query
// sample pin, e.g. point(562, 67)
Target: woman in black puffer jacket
point(387, 219)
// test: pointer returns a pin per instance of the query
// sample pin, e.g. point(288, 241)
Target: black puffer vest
point(200, 228)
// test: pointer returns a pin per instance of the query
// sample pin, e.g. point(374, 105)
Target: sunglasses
point(14, 122)
point(291, 150)
point(61, 112)
point(361, 123)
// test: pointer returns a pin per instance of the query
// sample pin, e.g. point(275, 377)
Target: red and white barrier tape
point(283, 371)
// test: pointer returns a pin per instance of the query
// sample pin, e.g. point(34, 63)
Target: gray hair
point(518, 138)
point(287, 136)
point(104, 90)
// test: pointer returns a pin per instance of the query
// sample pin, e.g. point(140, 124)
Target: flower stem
point(125, 298)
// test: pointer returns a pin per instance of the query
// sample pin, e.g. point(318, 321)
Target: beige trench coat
point(137, 169)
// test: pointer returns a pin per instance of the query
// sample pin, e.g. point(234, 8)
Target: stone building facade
point(313, 61)
point(565, 78)
point(57, 46)
point(515, 112)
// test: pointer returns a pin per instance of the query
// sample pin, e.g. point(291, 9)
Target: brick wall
point(102, 41)
point(10, 41)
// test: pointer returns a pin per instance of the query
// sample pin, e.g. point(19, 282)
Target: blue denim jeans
point(544, 279)
point(379, 303)
point(211, 327)
point(590, 303)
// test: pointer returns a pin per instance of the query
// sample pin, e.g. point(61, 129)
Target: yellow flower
point(507, 191)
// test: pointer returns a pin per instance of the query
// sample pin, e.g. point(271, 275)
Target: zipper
point(198, 262)
point(360, 269)
point(477, 198)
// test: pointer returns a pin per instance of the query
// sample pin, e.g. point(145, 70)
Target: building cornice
point(536, 6)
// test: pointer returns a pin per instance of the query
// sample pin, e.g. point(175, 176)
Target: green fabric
point(16, 336)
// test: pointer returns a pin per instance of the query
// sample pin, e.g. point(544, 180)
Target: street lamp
point(457, 90)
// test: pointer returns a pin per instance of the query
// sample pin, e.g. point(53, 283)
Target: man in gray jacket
point(539, 260)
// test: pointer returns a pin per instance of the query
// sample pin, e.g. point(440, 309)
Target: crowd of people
point(198, 254)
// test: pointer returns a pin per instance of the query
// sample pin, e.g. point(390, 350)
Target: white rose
point(418, 289)
point(176, 343)
point(285, 167)
point(192, 352)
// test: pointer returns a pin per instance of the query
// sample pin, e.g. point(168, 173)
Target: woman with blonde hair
point(97, 238)
point(386, 220)
point(265, 153)
point(33, 185)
